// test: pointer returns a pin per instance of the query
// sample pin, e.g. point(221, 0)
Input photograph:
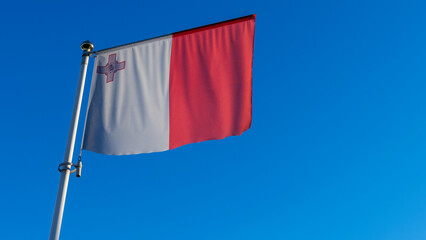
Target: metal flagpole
point(55, 228)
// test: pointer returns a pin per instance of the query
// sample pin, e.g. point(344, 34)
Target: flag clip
point(77, 167)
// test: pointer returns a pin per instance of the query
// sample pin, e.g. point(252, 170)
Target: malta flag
point(162, 93)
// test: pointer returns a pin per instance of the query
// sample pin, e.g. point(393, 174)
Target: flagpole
point(66, 169)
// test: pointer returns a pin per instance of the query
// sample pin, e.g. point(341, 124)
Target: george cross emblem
point(111, 68)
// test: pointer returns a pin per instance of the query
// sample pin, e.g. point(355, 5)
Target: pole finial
point(87, 46)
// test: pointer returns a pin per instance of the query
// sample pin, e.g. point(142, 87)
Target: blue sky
point(336, 149)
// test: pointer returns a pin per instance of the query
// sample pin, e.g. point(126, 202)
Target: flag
point(162, 93)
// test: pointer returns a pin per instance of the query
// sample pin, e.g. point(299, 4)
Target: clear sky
point(336, 150)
